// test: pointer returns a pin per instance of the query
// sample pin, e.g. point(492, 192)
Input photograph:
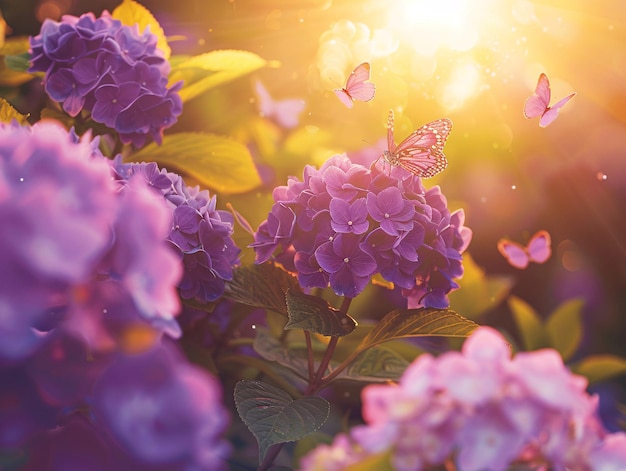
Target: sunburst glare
point(428, 25)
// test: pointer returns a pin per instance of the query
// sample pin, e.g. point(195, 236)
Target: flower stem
point(317, 382)
point(270, 456)
point(309, 351)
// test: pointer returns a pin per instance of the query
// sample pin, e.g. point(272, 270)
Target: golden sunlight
point(428, 25)
point(463, 83)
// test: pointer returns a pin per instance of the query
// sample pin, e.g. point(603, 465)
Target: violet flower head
point(199, 234)
point(163, 411)
point(57, 205)
point(87, 271)
point(78, 255)
point(345, 222)
point(482, 409)
point(109, 70)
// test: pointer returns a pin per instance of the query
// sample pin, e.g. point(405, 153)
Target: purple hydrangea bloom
point(109, 70)
point(87, 288)
point(73, 246)
point(57, 206)
point(163, 411)
point(345, 222)
point(480, 409)
point(199, 233)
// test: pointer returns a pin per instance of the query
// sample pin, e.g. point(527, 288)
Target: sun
point(428, 25)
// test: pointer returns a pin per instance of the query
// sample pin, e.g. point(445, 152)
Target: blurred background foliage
point(474, 61)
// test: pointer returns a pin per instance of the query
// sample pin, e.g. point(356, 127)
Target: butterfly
point(422, 152)
point(284, 112)
point(538, 250)
point(356, 88)
point(538, 104)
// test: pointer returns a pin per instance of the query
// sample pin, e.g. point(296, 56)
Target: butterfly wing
point(265, 102)
point(391, 143)
point(424, 164)
point(537, 104)
point(287, 112)
point(552, 112)
point(421, 153)
point(356, 86)
point(362, 91)
point(514, 253)
point(430, 136)
point(539, 249)
point(344, 97)
point(360, 74)
point(561, 103)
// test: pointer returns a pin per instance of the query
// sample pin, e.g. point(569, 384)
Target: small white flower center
point(346, 260)
point(387, 216)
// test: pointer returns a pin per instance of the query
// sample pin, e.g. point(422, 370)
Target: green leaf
point(564, 328)
point(271, 349)
point(205, 71)
point(132, 13)
point(273, 416)
point(601, 367)
point(314, 314)
point(529, 323)
point(405, 323)
point(15, 50)
point(8, 113)
point(18, 62)
point(376, 364)
point(262, 285)
point(214, 161)
point(479, 293)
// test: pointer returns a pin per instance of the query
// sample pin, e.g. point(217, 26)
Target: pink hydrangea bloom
point(480, 409)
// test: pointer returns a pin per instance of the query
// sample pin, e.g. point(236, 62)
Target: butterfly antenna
point(245, 225)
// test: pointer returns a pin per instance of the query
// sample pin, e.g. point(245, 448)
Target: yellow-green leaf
point(8, 113)
point(479, 293)
point(9, 77)
point(132, 13)
point(3, 29)
point(213, 161)
point(377, 462)
point(529, 323)
point(600, 367)
point(564, 328)
point(15, 45)
point(205, 71)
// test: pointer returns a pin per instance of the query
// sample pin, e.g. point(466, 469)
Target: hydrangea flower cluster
point(199, 233)
point(109, 70)
point(480, 409)
point(87, 286)
point(345, 222)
